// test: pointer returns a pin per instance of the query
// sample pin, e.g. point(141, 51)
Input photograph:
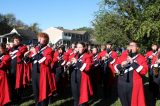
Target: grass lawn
point(67, 100)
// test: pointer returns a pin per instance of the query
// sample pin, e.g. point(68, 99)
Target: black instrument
point(124, 68)
point(72, 64)
point(149, 60)
point(127, 65)
point(25, 58)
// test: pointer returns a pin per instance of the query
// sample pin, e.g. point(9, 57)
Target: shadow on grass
point(26, 95)
point(105, 100)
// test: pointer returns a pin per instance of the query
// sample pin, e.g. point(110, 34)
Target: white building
point(59, 36)
point(26, 36)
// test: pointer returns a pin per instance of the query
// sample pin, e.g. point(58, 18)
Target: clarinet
point(72, 64)
point(96, 63)
point(107, 59)
point(14, 50)
point(127, 65)
point(25, 58)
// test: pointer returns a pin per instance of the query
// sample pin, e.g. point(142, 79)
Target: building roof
point(65, 30)
point(73, 31)
point(27, 33)
point(21, 32)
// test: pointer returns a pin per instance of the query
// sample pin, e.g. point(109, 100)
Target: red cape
point(114, 55)
point(149, 53)
point(20, 67)
point(137, 98)
point(4, 87)
point(85, 87)
point(46, 79)
point(27, 73)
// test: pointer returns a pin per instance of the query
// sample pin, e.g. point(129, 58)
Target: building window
point(73, 36)
point(4, 40)
point(64, 42)
point(69, 34)
point(81, 37)
point(87, 37)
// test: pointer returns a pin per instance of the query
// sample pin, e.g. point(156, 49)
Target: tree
point(109, 27)
point(9, 21)
point(5, 27)
point(15, 23)
point(34, 27)
point(137, 20)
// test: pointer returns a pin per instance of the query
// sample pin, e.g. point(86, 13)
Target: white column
point(1, 40)
point(7, 40)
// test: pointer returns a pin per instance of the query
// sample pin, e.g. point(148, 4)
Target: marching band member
point(27, 66)
point(69, 65)
point(80, 80)
point(149, 56)
point(59, 60)
point(155, 68)
point(108, 59)
point(70, 51)
point(42, 81)
point(4, 85)
point(95, 71)
point(17, 67)
point(131, 68)
point(101, 54)
point(53, 64)
point(67, 55)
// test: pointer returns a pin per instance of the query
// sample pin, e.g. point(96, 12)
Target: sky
point(69, 14)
